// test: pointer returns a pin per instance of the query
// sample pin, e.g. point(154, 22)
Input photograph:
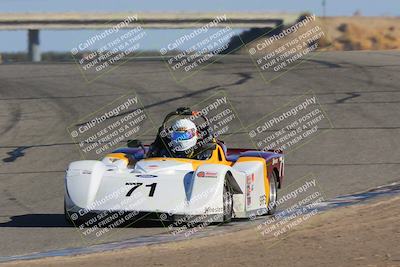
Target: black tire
point(273, 193)
point(67, 216)
point(227, 199)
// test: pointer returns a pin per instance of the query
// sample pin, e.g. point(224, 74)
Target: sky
point(13, 41)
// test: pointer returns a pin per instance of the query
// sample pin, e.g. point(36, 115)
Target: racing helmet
point(183, 135)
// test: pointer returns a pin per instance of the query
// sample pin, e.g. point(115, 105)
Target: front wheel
point(227, 202)
point(273, 194)
point(66, 215)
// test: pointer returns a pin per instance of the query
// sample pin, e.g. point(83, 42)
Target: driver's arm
point(158, 149)
point(205, 151)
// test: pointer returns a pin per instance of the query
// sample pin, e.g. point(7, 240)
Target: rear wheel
point(227, 202)
point(273, 193)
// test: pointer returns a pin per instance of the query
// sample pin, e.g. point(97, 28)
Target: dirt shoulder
point(361, 235)
point(339, 34)
point(362, 33)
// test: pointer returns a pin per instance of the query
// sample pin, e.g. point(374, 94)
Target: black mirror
point(134, 143)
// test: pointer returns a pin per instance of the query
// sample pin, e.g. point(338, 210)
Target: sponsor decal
point(213, 210)
point(263, 200)
point(146, 175)
point(249, 187)
point(153, 166)
point(207, 174)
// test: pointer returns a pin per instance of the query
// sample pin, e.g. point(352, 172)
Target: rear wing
point(233, 151)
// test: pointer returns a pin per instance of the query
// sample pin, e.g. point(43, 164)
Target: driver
point(184, 142)
point(183, 137)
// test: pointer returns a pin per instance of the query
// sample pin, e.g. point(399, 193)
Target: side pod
point(82, 181)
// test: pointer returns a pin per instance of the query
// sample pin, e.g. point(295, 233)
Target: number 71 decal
point(137, 185)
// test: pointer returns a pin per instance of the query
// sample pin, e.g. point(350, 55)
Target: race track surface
point(359, 91)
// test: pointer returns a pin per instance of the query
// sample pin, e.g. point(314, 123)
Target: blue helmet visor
point(182, 135)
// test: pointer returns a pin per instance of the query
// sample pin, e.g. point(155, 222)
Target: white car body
point(173, 187)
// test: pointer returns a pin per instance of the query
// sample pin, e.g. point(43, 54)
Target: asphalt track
point(359, 91)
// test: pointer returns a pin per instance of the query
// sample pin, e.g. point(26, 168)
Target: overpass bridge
point(34, 22)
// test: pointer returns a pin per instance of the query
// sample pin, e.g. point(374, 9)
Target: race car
point(230, 183)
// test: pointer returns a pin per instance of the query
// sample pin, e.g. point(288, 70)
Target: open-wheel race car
point(157, 183)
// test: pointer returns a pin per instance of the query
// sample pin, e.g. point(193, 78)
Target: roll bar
point(183, 111)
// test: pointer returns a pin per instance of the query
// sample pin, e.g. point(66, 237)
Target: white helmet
point(184, 135)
